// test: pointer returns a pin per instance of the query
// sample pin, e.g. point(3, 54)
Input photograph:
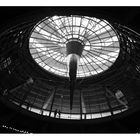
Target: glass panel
point(35, 110)
point(96, 116)
point(116, 111)
point(75, 117)
point(88, 116)
point(46, 113)
point(65, 116)
point(24, 106)
point(105, 114)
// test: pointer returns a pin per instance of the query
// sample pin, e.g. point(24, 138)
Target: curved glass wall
point(87, 104)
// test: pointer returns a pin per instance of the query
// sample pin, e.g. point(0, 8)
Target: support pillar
point(52, 101)
point(74, 50)
point(108, 102)
point(81, 112)
point(48, 101)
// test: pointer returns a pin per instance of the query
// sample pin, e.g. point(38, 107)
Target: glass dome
point(49, 38)
point(49, 96)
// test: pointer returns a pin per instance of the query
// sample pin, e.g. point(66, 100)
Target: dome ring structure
point(50, 37)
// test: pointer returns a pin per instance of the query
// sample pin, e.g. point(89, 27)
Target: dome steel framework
point(49, 39)
point(47, 94)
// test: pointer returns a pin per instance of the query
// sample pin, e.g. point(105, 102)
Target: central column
point(74, 50)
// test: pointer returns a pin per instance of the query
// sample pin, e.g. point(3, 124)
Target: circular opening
point(74, 47)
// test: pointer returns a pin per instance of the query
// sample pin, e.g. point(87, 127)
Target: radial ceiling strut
point(74, 46)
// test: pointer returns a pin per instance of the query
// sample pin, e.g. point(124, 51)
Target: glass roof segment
point(49, 37)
